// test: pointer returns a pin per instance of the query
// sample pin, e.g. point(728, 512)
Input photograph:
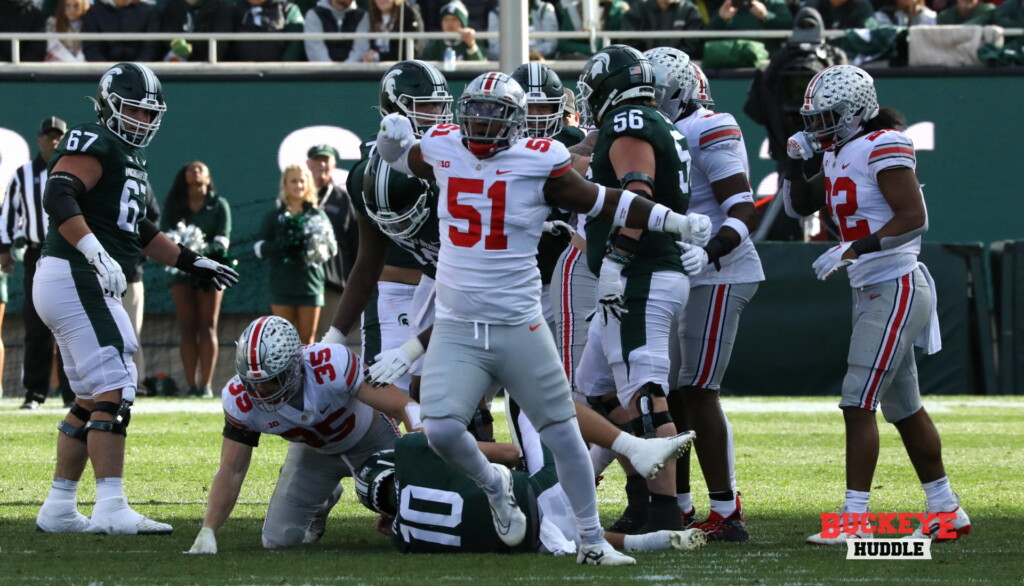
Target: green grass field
point(789, 457)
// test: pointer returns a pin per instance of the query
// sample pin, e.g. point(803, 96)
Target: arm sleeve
point(242, 436)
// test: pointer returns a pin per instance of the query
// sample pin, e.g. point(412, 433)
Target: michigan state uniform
point(624, 355)
point(89, 325)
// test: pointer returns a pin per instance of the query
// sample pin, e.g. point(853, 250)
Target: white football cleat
point(602, 554)
point(319, 523)
point(113, 516)
point(61, 518)
point(509, 520)
point(656, 451)
point(688, 539)
point(961, 524)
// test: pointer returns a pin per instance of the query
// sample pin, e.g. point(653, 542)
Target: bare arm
point(631, 155)
point(227, 482)
point(902, 192)
point(389, 401)
point(573, 193)
point(162, 250)
point(365, 272)
point(419, 167)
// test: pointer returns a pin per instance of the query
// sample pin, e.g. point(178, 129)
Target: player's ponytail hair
point(886, 119)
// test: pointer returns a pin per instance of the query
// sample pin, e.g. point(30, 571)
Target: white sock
point(723, 508)
point(63, 491)
point(856, 501)
point(108, 488)
point(627, 444)
point(685, 501)
point(938, 494)
point(657, 541)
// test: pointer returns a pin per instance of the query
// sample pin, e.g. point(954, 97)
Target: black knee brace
point(648, 422)
point(78, 433)
point(604, 407)
point(122, 413)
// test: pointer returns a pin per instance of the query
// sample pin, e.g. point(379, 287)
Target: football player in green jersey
point(94, 196)
point(642, 284)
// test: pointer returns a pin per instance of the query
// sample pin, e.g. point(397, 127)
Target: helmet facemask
point(489, 125)
point(544, 125)
point(269, 354)
point(134, 132)
point(426, 111)
point(838, 101)
point(402, 223)
point(289, 380)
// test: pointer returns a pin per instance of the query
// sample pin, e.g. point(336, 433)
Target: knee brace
point(604, 407)
point(648, 422)
point(78, 433)
point(477, 426)
point(122, 413)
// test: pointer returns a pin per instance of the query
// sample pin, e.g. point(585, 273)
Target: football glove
point(396, 128)
point(611, 293)
point(333, 336)
point(206, 542)
point(700, 229)
point(557, 228)
point(112, 279)
point(694, 258)
point(797, 147)
point(222, 276)
point(832, 261)
point(390, 365)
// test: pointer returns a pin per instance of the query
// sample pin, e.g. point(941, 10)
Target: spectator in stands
point(333, 16)
point(194, 200)
point(570, 117)
point(22, 16)
point(611, 14)
point(197, 16)
point(333, 199)
point(455, 19)
point(67, 18)
point(1009, 14)
point(967, 12)
point(296, 288)
point(667, 15)
point(905, 13)
point(844, 14)
point(121, 16)
point(393, 16)
point(266, 16)
point(542, 18)
point(753, 15)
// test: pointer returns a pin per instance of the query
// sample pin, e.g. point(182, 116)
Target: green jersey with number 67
point(657, 250)
point(112, 208)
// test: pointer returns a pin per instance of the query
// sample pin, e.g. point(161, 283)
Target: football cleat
point(689, 518)
point(113, 516)
point(319, 523)
point(688, 539)
point(961, 524)
point(656, 451)
point(509, 520)
point(61, 518)
point(731, 528)
point(602, 554)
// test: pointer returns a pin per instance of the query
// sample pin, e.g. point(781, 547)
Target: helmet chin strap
point(481, 149)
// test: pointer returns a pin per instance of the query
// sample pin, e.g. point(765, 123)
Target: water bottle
point(449, 59)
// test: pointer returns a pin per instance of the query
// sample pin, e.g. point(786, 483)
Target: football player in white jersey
point(706, 330)
point(313, 396)
point(868, 183)
point(496, 188)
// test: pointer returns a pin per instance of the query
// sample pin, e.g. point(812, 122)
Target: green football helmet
point(372, 487)
point(614, 74)
point(417, 90)
point(136, 86)
point(396, 202)
point(543, 87)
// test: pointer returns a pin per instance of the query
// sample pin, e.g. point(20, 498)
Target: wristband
point(658, 220)
point(625, 200)
point(89, 245)
point(739, 226)
point(867, 244)
point(412, 413)
point(599, 202)
point(745, 197)
point(186, 259)
point(413, 348)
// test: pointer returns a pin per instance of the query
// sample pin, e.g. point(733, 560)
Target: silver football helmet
point(702, 91)
point(492, 114)
point(674, 80)
point(838, 101)
point(269, 350)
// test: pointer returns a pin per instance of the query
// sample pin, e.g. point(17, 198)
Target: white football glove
point(832, 262)
point(397, 128)
point(205, 542)
point(111, 276)
point(557, 227)
point(611, 293)
point(333, 336)
point(700, 229)
point(694, 258)
point(797, 147)
point(390, 365)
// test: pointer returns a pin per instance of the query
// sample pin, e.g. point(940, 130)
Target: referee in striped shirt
point(23, 223)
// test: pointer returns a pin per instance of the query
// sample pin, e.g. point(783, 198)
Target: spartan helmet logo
point(389, 83)
point(600, 64)
point(108, 78)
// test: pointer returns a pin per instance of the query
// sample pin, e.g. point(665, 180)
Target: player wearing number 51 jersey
point(95, 197)
point(313, 396)
point(869, 185)
point(495, 190)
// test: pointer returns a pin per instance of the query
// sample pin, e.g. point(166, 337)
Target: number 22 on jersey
point(842, 202)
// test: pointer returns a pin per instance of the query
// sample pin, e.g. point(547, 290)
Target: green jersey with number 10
point(112, 208)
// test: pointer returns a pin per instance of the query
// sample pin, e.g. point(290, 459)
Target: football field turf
point(789, 454)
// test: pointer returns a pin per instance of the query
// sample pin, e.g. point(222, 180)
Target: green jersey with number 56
point(657, 250)
point(112, 208)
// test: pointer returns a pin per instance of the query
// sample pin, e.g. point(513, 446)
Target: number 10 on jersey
point(495, 239)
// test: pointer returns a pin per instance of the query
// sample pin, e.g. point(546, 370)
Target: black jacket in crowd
point(136, 17)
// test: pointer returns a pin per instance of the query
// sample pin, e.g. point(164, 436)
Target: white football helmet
point(674, 80)
point(702, 91)
point(838, 101)
point(269, 350)
point(492, 114)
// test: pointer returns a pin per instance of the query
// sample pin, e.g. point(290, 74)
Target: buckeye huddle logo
point(869, 533)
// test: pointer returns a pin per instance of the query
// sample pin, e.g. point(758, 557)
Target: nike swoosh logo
point(502, 172)
point(324, 410)
point(873, 297)
point(534, 328)
point(845, 165)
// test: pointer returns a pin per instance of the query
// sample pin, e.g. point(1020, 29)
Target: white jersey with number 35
point(491, 212)
point(858, 207)
point(332, 419)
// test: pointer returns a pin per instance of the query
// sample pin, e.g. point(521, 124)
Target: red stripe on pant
point(713, 335)
point(892, 336)
point(567, 317)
